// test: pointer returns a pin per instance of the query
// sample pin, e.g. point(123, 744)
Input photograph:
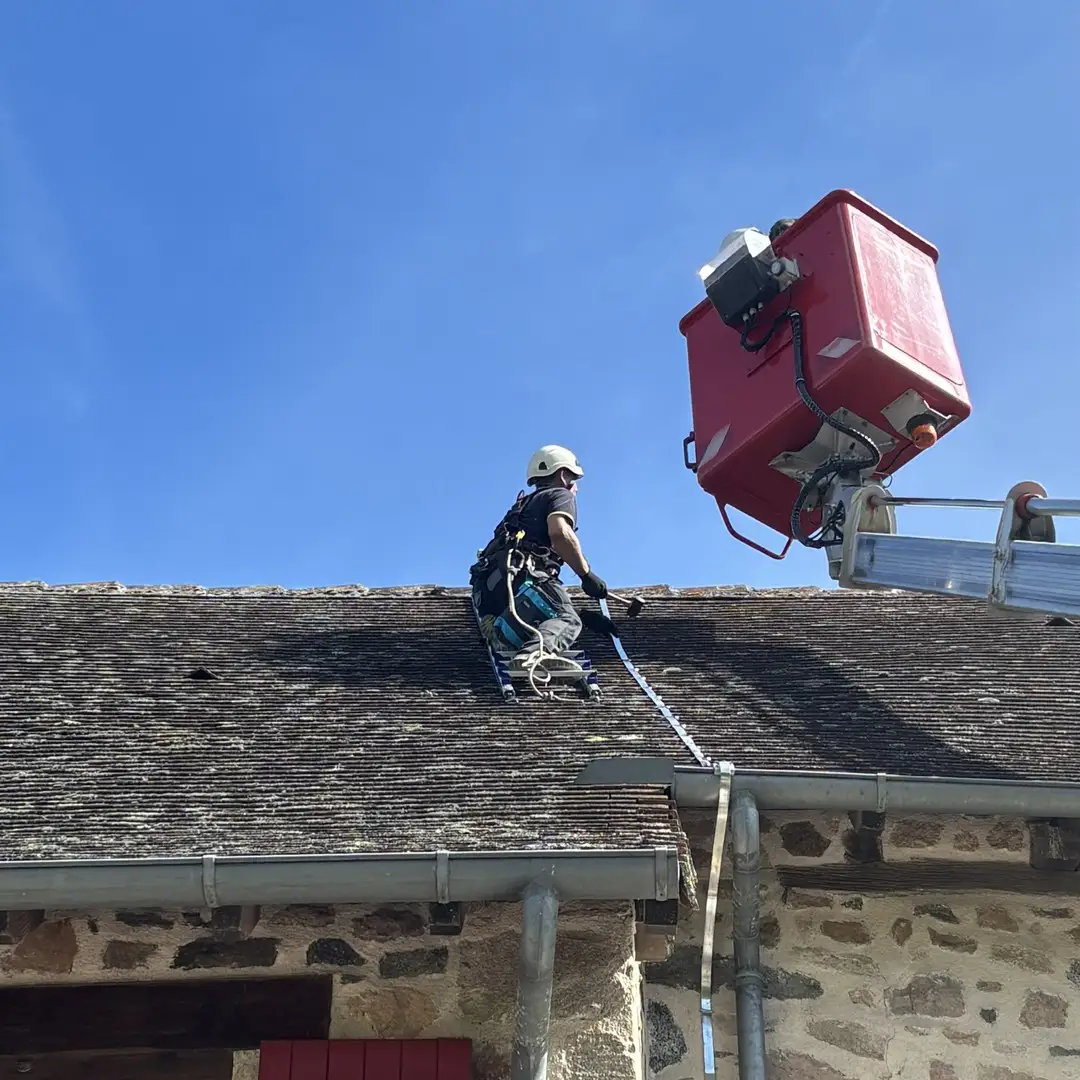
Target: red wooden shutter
point(420, 1060)
point(309, 1060)
point(366, 1059)
point(275, 1061)
point(382, 1061)
point(346, 1060)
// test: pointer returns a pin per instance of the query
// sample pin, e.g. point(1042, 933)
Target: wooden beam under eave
point(1055, 845)
point(249, 918)
point(652, 945)
point(234, 922)
point(129, 1064)
point(928, 875)
point(862, 844)
point(175, 1014)
point(446, 919)
point(21, 923)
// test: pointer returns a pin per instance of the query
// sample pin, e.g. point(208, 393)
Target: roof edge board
point(425, 877)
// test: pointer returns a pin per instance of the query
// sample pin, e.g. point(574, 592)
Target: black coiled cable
point(837, 465)
point(757, 346)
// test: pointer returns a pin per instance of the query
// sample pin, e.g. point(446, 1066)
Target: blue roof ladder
point(506, 677)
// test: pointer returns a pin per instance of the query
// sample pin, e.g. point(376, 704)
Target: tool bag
point(533, 607)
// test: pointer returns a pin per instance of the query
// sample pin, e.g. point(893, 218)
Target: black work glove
point(597, 622)
point(593, 586)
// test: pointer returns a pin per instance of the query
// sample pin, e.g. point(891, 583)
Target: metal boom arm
point(1023, 569)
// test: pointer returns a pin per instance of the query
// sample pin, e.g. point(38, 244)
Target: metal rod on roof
point(431, 877)
point(532, 1030)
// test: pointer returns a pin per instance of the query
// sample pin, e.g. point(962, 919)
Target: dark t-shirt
point(542, 503)
point(534, 515)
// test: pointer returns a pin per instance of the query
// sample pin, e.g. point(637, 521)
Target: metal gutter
point(433, 877)
point(881, 792)
point(780, 789)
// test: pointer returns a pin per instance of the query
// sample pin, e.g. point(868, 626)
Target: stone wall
point(393, 978)
point(932, 986)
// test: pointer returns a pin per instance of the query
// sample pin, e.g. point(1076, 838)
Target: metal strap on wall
point(655, 698)
point(725, 771)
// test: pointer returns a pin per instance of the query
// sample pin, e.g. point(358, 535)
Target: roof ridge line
point(356, 589)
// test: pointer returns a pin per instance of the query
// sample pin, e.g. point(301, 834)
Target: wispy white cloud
point(33, 239)
point(36, 257)
point(834, 102)
point(868, 39)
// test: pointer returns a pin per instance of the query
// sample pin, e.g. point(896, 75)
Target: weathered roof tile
point(352, 719)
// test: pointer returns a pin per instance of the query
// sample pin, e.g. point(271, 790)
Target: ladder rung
point(1037, 577)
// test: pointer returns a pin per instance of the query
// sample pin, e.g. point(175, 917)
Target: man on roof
point(515, 580)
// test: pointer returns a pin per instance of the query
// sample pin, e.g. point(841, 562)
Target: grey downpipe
point(532, 1032)
point(749, 984)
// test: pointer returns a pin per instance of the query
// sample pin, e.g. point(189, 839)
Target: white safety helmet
point(548, 460)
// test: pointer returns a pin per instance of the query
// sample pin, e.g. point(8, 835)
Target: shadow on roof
point(769, 697)
point(419, 657)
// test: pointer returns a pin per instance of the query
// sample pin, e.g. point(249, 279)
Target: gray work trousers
point(558, 632)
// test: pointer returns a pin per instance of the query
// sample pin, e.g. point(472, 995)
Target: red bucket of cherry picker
point(877, 343)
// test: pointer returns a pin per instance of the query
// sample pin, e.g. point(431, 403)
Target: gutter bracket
point(442, 877)
point(882, 792)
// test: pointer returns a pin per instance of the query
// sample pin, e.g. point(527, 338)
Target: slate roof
point(369, 720)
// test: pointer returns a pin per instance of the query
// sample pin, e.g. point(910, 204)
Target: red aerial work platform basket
point(877, 344)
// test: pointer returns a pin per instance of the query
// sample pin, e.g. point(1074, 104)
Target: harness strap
point(510, 536)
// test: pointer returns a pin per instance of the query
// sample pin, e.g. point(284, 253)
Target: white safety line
point(655, 698)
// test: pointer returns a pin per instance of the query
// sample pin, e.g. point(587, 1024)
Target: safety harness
point(510, 535)
point(523, 565)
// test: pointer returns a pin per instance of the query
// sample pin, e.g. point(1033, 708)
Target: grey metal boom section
point(1023, 569)
point(1034, 506)
point(1041, 577)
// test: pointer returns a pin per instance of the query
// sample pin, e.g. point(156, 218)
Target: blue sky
point(289, 292)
